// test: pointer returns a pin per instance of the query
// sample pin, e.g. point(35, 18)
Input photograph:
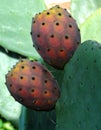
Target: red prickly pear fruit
point(32, 85)
point(55, 35)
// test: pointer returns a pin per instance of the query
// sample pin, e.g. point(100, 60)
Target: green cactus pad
point(15, 17)
point(82, 9)
point(90, 29)
point(79, 107)
point(36, 120)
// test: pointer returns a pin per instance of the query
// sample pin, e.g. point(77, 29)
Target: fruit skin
point(31, 84)
point(55, 35)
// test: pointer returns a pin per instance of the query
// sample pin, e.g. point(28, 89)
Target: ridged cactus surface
point(37, 120)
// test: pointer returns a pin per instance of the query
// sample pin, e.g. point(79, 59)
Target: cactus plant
point(79, 104)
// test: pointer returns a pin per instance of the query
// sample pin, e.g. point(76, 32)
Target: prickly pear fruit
point(55, 35)
point(31, 84)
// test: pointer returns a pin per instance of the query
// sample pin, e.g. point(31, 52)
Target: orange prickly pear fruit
point(32, 85)
point(55, 35)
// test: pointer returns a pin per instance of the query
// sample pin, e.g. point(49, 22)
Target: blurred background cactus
point(79, 106)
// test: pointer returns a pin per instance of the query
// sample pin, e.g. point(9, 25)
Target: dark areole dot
point(77, 59)
point(52, 36)
point(22, 60)
point(38, 35)
point(78, 29)
point(57, 23)
point(10, 85)
point(65, 9)
point(94, 61)
point(45, 81)
point(55, 88)
point(33, 78)
point(70, 25)
point(69, 16)
point(66, 37)
point(59, 14)
point(43, 23)
point(45, 92)
point(34, 21)
point(69, 77)
point(11, 75)
point(88, 109)
point(78, 43)
point(33, 67)
point(92, 48)
point(86, 68)
point(33, 45)
point(37, 48)
point(21, 77)
point(81, 83)
point(96, 127)
point(32, 90)
point(31, 60)
point(30, 33)
point(48, 13)
point(61, 50)
point(22, 67)
point(20, 89)
point(58, 6)
point(48, 49)
point(35, 60)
